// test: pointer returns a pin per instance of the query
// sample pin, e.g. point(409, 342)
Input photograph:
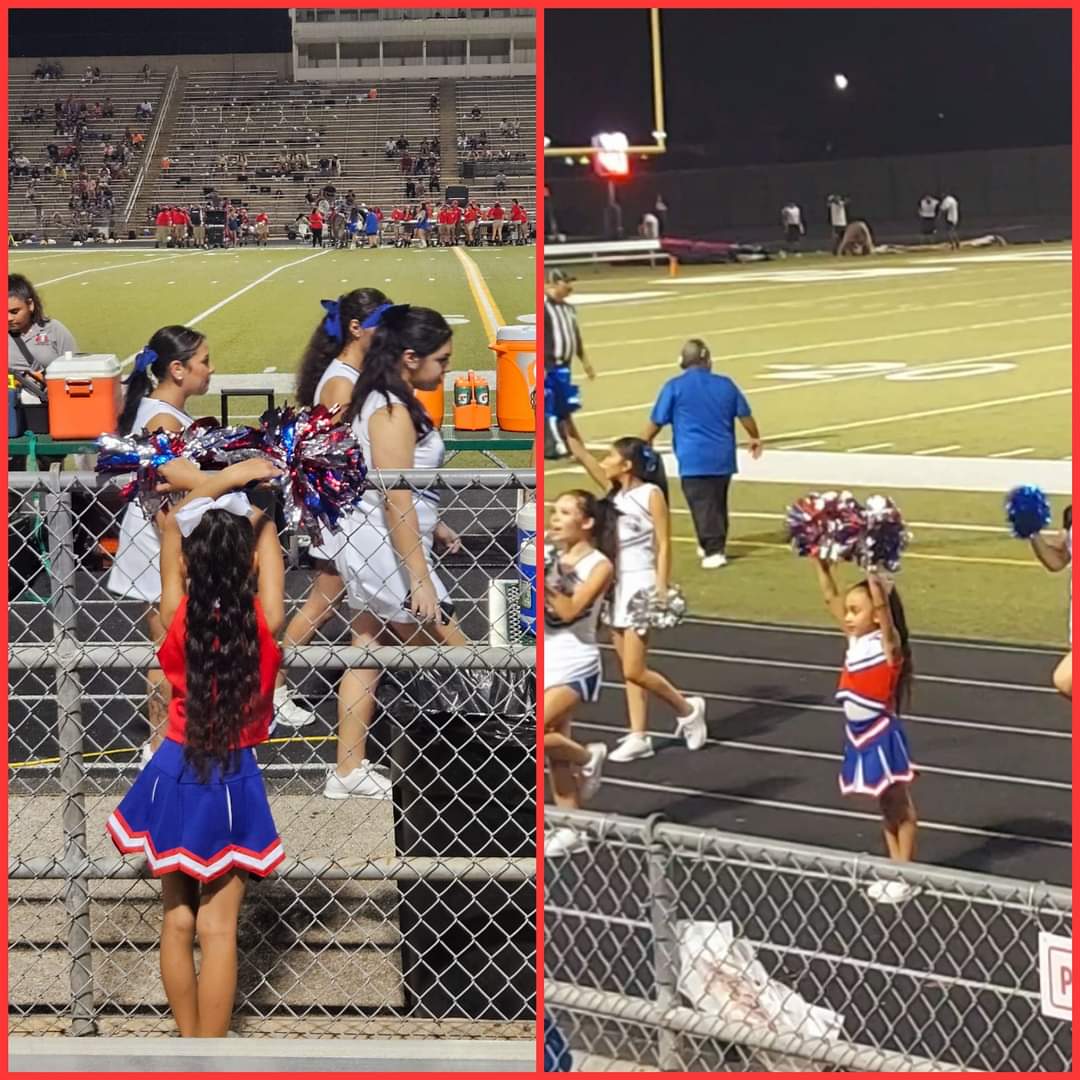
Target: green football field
point(258, 307)
point(905, 374)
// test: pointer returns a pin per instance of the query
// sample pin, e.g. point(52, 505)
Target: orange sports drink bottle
point(472, 403)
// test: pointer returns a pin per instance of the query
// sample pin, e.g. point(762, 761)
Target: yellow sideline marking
point(490, 315)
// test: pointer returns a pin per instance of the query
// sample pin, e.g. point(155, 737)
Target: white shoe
point(564, 842)
point(363, 782)
point(713, 562)
point(288, 713)
point(692, 728)
point(700, 552)
point(592, 772)
point(891, 892)
point(632, 747)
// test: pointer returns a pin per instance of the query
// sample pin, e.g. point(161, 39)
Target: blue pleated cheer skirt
point(203, 830)
point(876, 756)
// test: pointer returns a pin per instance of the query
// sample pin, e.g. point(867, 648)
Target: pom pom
point(650, 611)
point(825, 526)
point(884, 537)
point(1027, 510)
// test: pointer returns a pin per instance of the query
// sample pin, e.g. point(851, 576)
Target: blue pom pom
point(1027, 510)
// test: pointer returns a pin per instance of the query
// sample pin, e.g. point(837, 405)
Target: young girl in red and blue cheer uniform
point(198, 811)
point(875, 681)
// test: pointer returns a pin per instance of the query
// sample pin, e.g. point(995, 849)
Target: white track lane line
point(822, 755)
point(936, 450)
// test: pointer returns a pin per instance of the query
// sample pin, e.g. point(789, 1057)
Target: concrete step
point(302, 944)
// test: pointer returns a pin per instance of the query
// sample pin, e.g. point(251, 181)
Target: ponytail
point(169, 345)
point(402, 329)
point(331, 336)
point(645, 463)
point(605, 518)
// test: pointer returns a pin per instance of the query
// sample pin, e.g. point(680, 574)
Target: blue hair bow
point(650, 459)
point(146, 358)
point(375, 318)
point(332, 322)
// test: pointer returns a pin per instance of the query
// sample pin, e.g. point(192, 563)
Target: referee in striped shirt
point(562, 342)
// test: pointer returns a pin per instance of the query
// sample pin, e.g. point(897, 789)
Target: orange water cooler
point(434, 402)
point(85, 395)
point(515, 377)
point(472, 403)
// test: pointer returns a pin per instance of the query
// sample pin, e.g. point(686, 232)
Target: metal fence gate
point(401, 916)
point(690, 950)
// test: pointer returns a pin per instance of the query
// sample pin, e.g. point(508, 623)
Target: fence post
point(662, 906)
point(64, 602)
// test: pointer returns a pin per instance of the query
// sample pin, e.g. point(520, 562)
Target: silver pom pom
point(650, 611)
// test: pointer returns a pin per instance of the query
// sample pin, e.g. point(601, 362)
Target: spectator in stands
point(34, 340)
point(433, 103)
point(144, 110)
point(500, 181)
point(146, 72)
point(311, 198)
point(22, 165)
point(390, 149)
point(433, 184)
point(315, 220)
point(166, 164)
point(88, 74)
point(474, 113)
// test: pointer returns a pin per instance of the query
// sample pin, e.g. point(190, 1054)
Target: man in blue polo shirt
point(702, 409)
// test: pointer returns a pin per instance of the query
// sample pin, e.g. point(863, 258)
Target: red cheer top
point(174, 664)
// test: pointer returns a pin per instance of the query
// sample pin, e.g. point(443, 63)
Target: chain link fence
point(669, 948)
point(410, 915)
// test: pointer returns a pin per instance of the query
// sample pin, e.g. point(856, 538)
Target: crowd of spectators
point(49, 70)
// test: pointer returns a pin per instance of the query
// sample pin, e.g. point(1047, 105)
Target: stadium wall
point(280, 63)
point(1027, 191)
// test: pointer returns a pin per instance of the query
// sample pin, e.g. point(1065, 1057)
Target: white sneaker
point(592, 772)
point(288, 713)
point(363, 782)
point(692, 728)
point(713, 562)
point(632, 747)
point(891, 892)
point(700, 552)
point(564, 842)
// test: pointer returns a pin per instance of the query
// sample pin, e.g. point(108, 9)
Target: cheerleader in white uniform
point(633, 473)
point(875, 681)
point(328, 373)
point(1056, 555)
point(386, 559)
point(174, 367)
point(582, 530)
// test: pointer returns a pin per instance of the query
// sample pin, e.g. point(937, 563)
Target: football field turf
point(904, 374)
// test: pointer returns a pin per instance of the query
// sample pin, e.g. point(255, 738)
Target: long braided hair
point(222, 642)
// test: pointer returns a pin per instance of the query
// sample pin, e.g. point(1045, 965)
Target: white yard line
point(247, 288)
point(848, 378)
point(840, 343)
point(936, 450)
point(801, 445)
point(871, 446)
point(1014, 453)
point(102, 269)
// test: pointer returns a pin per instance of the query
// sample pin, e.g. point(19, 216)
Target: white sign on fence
point(1055, 975)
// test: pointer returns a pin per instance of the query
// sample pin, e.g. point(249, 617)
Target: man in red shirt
point(497, 215)
point(443, 218)
point(178, 221)
point(315, 220)
point(519, 221)
point(455, 221)
point(471, 216)
point(162, 227)
point(262, 228)
point(398, 216)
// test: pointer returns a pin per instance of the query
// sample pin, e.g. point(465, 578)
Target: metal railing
point(421, 906)
point(690, 950)
point(150, 149)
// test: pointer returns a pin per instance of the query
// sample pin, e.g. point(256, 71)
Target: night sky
point(757, 86)
point(135, 32)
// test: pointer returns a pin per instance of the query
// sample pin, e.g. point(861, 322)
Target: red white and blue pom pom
point(1027, 510)
point(884, 536)
point(825, 526)
point(650, 611)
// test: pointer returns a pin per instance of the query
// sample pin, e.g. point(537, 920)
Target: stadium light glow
point(611, 160)
point(841, 81)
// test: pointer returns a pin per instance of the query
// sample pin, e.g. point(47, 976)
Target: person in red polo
point(443, 219)
point(398, 217)
point(262, 228)
point(455, 221)
point(315, 220)
point(519, 222)
point(498, 216)
point(178, 220)
point(471, 216)
point(162, 227)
